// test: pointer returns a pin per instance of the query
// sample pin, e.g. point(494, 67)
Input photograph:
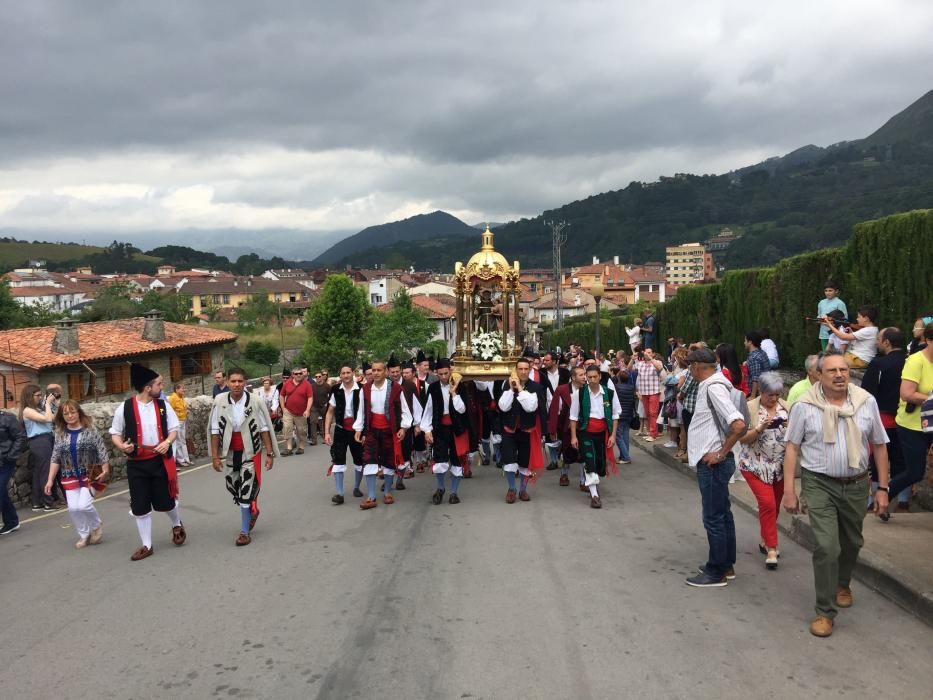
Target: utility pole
point(558, 238)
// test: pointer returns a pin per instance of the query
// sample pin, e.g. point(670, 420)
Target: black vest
point(459, 420)
point(130, 428)
point(518, 417)
point(563, 377)
point(340, 399)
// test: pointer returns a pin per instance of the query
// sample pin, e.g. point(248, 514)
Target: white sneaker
point(648, 438)
point(670, 444)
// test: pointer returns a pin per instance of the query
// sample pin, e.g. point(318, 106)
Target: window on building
point(205, 300)
point(192, 364)
point(117, 378)
point(226, 298)
point(375, 298)
point(78, 385)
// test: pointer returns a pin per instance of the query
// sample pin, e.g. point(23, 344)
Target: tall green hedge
point(888, 262)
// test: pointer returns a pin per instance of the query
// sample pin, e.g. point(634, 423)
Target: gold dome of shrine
point(487, 264)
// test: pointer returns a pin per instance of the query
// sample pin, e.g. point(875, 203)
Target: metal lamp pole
point(597, 291)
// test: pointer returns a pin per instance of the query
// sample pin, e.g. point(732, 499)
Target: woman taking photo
point(78, 447)
point(761, 459)
point(37, 416)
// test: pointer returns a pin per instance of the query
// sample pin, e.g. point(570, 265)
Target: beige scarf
point(831, 415)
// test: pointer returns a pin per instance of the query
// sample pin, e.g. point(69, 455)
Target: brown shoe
point(510, 496)
point(595, 502)
point(367, 504)
point(179, 536)
point(843, 597)
point(141, 553)
point(388, 499)
point(299, 451)
point(584, 489)
point(96, 535)
point(523, 496)
point(821, 626)
point(564, 480)
point(243, 539)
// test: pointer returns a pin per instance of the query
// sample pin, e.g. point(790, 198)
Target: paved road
point(547, 599)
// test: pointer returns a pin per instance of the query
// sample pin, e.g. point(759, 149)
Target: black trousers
point(148, 484)
point(344, 439)
point(516, 448)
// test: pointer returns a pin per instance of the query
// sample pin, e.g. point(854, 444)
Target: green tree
point(211, 310)
point(261, 353)
point(400, 331)
point(176, 308)
point(336, 323)
point(257, 311)
point(10, 310)
point(112, 302)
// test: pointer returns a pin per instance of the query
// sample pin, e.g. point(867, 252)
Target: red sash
point(148, 453)
point(348, 423)
point(380, 422)
point(888, 419)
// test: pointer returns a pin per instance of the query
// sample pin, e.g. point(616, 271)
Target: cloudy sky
point(319, 116)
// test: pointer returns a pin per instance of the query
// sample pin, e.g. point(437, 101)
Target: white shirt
point(597, 410)
point(704, 436)
point(526, 399)
point(865, 345)
point(347, 403)
point(770, 349)
point(378, 398)
point(147, 416)
point(238, 408)
point(427, 416)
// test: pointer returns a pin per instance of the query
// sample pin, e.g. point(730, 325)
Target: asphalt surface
point(546, 599)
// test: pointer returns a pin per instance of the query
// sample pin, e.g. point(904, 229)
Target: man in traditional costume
point(342, 406)
point(144, 428)
point(488, 394)
point(594, 412)
point(524, 419)
point(410, 396)
point(559, 425)
point(444, 424)
point(552, 376)
point(422, 379)
point(381, 423)
point(241, 428)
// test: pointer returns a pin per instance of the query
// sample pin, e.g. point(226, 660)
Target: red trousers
point(652, 404)
point(769, 506)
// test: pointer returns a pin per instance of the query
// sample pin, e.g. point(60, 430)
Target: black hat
point(392, 362)
point(702, 355)
point(408, 364)
point(419, 358)
point(431, 364)
point(442, 363)
point(366, 366)
point(141, 376)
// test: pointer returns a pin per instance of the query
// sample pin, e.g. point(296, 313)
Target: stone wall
point(199, 410)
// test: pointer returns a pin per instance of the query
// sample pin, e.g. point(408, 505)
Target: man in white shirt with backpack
point(719, 420)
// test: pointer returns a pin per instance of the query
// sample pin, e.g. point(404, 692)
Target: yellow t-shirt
point(180, 407)
point(917, 369)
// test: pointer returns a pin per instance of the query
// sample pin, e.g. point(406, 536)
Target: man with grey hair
point(829, 430)
point(801, 387)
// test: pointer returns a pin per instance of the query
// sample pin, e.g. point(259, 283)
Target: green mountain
point(805, 200)
point(422, 227)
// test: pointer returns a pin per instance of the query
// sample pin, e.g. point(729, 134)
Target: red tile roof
point(438, 306)
point(103, 340)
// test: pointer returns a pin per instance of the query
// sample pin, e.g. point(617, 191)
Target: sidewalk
point(896, 560)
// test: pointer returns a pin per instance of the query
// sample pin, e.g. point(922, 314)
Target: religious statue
point(488, 312)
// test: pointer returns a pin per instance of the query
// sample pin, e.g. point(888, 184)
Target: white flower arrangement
point(487, 346)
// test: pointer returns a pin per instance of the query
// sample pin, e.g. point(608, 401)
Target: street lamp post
point(597, 291)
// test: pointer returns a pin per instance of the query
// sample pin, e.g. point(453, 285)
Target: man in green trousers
point(829, 429)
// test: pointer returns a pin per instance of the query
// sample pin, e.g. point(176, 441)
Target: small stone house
point(91, 361)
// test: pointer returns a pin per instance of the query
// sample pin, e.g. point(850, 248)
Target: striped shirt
point(704, 435)
point(805, 428)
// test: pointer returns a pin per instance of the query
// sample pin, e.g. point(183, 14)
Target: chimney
point(154, 327)
point(595, 260)
point(66, 337)
point(615, 259)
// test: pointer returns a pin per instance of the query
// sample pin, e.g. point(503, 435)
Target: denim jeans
point(622, 440)
point(717, 514)
point(914, 447)
point(10, 518)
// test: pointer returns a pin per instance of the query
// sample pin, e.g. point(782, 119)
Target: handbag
point(926, 414)
point(635, 422)
point(96, 484)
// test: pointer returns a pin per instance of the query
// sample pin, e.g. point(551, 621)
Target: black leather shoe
point(400, 485)
point(438, 497)
point(357, 493)
point(336, 499)
point(454, 499)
